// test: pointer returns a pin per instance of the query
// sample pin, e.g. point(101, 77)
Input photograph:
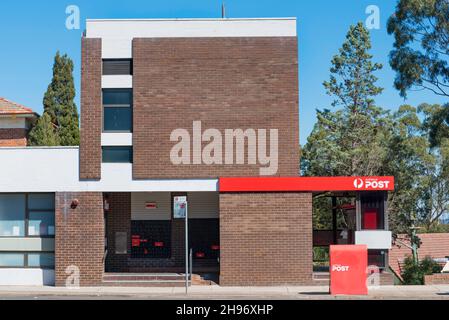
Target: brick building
point(179, 117)
point(15, 122)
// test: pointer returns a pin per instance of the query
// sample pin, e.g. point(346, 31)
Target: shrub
point(413, 274)
point(429, 266)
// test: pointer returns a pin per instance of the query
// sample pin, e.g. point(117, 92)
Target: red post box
point(348, 267)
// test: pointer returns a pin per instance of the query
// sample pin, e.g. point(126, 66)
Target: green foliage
point(349, 141)
point(43, 134)
point(59, 103)
point(362, 139)
point(413, 273)
point(421, 48)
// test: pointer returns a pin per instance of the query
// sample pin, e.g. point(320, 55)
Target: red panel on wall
point(370, 219)
point(306, 184)
point(348, 267)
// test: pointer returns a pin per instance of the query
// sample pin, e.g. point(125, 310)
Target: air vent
point(117, 67)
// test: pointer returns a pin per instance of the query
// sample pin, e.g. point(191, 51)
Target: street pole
point(187, 246)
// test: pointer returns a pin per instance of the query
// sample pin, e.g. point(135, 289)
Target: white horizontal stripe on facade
point(117, 139)
point(27, 244)
point(26, 277)
point(117, 35)
point(117, 82)
point(374, 239)
point(201, 205)
point(57, 170)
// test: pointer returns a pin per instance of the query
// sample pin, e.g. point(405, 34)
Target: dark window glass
point(376, 258)
point(117, 119)
point(117, 114)
point(117, 97)
point(117, 67)
point(117, 154)
point(41, 201)
point(12, 215)
point(41, 260)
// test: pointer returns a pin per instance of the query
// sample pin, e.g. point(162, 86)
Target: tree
point(59, 103)
point(407, 150)
point(43, 134)
point(421, 48)
point(435, 197)
point(349, 141)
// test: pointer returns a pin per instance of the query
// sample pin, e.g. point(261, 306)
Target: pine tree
point(43, 134)
point(351, 140)
point(59, 103)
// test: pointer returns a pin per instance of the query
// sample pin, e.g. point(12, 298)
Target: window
point(117, 110)
point(12, 260)
point(27, 215)
point(117, 67)
point(44, 260)
point(117, 155)
point(41, 260)
point(12, 215)
point(377, 258)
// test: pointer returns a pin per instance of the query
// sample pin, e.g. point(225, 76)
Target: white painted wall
point(27, 277)
point(117, 139)
point(375, 239)
point(117, 82)
point(117, 35)
point(57, 170)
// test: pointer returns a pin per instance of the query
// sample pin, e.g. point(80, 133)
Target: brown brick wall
point(433, 279)
point(80, 237)
point(266, 239)
point(13, 137)
point(91, 110)
point(227, 83)
point(118, 220)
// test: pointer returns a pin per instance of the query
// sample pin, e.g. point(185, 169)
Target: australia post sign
point(348, 269)
point(306, 184)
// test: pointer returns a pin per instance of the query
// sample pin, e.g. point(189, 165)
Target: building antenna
point(223, 10)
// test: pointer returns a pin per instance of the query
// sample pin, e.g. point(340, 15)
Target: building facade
point(174, 111)
point(15, 122)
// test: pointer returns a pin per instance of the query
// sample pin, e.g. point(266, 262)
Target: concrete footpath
point(435, 292)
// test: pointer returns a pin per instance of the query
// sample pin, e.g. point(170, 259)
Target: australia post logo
point(371, 184)
point(340, 268)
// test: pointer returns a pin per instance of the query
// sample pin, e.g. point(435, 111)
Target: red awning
point(306, 184)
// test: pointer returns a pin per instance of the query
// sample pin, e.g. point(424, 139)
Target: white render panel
point(117, 139)
point(374, 239)
point(57, 170)
point(27, 277)
point(162, 212)
point(11, 123)
point(203, 205)
point(27, 244)
point(117, 82)
point(117, 35)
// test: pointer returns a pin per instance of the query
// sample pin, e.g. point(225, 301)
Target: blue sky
point(32, 31)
